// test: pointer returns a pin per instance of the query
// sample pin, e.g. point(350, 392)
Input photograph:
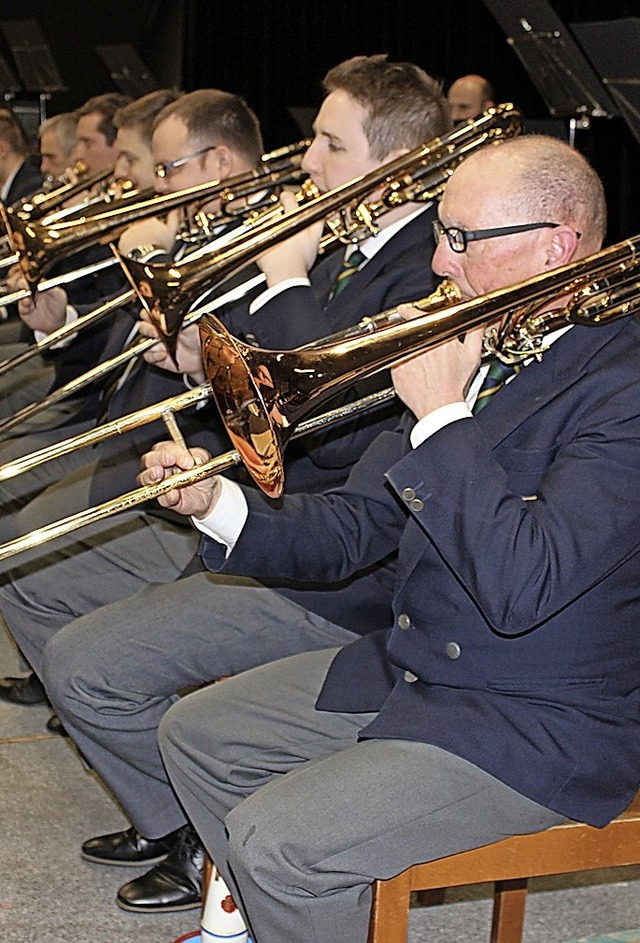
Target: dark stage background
point(275, 53)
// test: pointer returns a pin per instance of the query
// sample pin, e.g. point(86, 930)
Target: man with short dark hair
point(96, 132)
point(19, 173)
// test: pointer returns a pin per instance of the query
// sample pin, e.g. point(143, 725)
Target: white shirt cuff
point(275, 290)
point(71, 316)
point(438, 419)
point(224, 524)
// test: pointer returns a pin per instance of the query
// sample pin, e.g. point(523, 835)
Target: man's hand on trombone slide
point(169, 458)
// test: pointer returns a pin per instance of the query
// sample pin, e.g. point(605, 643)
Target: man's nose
point(444, 260)
point(120, 169)
point(310, 162)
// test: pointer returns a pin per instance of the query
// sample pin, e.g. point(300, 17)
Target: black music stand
point(556, 65)
point(128, 71)
point(33, 58)
point(9, 83)
point(613, 46)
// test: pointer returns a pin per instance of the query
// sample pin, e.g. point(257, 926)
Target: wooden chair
point(507, 865)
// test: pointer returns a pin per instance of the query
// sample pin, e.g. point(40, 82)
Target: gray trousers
point(24, 384)
point(112, 675)
point(300, 817)
point(19, 490)
point(43, 590)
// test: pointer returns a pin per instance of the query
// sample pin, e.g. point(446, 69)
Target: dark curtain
point(275, 53)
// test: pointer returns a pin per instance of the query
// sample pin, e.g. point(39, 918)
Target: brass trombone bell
point(105, 367)
point(262, 395)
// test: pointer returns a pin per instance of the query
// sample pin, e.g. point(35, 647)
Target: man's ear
point(562, 246)
point(221, 162)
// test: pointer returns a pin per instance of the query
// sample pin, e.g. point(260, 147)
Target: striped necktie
point(350, 265)
point(495, 379)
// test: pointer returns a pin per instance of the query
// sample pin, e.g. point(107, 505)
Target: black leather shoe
point(175, 884)
point(128, 848)
point(27, 690)
point(54, 725)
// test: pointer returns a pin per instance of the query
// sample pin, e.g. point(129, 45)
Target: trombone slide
point(214, 466)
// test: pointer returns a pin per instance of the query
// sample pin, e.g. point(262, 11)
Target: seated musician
point(503, 698)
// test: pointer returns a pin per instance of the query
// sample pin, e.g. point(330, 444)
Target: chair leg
point(390, 910)
point(509, 899)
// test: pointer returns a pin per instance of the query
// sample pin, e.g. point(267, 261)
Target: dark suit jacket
point(28, 179)
point(516, 606)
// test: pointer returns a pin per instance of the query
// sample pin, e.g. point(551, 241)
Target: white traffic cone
point(221, 919)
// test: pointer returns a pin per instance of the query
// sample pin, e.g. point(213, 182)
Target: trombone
point(108, 366)
point(263, 396)
point(41, 244)
point(214, 466)
point(418, 176)
point(421, 175)
point(447, 292)
point(45, 201)
point(76, 180)
point(52, 195)
point(278, 169)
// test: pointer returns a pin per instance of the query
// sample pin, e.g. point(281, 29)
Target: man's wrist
point(436, 420)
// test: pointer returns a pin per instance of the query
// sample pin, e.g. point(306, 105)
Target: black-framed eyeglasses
point(163, 170)
point(459, 239)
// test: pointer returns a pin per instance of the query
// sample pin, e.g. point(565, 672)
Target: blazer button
point(409, 677)
point(416, 504)
point(404, 622)
point(453, 650)
point(408, 494)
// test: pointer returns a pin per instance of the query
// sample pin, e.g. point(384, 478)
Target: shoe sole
point(115, 862)
point(169, 908)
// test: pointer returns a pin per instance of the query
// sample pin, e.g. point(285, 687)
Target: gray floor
point(49, 895)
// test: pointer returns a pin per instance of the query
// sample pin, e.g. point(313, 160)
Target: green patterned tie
point(348, 269)
point(495, 379)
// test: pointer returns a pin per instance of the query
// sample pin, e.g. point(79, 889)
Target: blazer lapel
point(564, 363)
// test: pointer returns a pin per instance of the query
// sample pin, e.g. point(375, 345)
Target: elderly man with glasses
point(503, 697)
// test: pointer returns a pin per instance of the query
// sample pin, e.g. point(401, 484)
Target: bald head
point(469, 96)
point(535, 177)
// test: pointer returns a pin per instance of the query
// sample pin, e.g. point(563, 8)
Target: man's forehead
point(90, 122)
point(172, 131)
point(337, 112)
point(476, 186)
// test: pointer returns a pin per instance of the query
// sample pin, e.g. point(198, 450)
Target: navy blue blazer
point(517, 605)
